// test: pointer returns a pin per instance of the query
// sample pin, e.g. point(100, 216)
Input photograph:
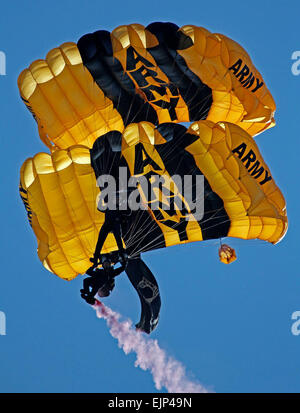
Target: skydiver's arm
point(118, 271)
point(117, 231)
point(86, 285)
point(90, 272)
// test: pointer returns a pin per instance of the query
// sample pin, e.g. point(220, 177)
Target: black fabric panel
point(146, 286)
point(165, 32)
point(215, 222)
point(96, 52)
point(106, 154)
point(197, 96)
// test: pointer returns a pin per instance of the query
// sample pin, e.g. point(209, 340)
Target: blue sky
point(229, 325)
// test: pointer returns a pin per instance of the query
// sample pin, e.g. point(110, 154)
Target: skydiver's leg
point(87, 283)
point(90, 286)
point(147, 288)
point(117, 231)
point(95, 288)
point(104, 231)
point(112, 223)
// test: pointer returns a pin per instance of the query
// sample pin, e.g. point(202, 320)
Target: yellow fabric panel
point(69, 106)
point(194, 232)
point(255, 210)
point(171, 236)
point(143, 132)
point(62, 192)
point(210, 58)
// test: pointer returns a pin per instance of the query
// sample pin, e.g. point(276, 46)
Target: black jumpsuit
point(100, 279)
point(112, 224)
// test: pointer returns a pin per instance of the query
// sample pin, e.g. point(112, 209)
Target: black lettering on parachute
point(142, 159)
point(245, 77)
point(251, 163)
point(146, 70)
point(24, 197)
point(29, 108)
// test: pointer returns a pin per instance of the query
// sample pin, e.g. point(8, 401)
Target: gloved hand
point(123, 257)
point(88, 298)
point(95, 261)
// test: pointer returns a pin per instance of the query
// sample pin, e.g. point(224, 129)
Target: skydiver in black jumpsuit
point(100, 280)
point(112, 223)
point(137, 271)
point(106, 160)
point(142, 279)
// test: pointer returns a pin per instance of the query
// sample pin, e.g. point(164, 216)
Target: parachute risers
point(227, 254)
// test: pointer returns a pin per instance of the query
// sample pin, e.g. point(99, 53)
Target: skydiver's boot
point(89, 298)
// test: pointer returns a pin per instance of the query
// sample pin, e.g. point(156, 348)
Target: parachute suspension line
point(133, 234)
point(132, 229)
point(206, 220)
point(152, 242)
point(137, 251)
point(142, 228)
point(203, 112)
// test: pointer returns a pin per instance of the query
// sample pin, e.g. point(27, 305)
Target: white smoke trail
point(166, 371)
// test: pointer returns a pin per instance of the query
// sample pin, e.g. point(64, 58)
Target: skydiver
point(112, 223)
point(142, 279)
point(100, 280)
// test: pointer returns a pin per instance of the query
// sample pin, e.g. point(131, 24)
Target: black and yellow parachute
point(240, 196)
point(160, 74)
point(117, 100)
point(113, 104)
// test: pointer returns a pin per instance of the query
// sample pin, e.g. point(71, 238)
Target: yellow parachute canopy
point(240, 196)
point(159, 73)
